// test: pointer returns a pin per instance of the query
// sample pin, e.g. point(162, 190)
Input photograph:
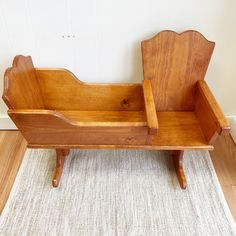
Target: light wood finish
point(106, 118)
point(92, 118)
point(63, 91)
point(21, 87)
point(120, 146)
point(60, 159)
point(224, 160)
point(171, 110)
point(150, 107)
point(211, 117)
point(174, 63)
point(47, 128)
point(177, 157)
point(178, 131)
point(12, 146)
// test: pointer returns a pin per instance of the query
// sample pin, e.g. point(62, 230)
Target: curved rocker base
point(61, 155)
point(177, 157)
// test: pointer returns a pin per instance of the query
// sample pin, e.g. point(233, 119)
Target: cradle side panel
point(51, 129)
point(87, 136)
point(63, 91)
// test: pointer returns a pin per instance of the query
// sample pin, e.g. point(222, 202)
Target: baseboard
point(232, 121)
point(6, 123)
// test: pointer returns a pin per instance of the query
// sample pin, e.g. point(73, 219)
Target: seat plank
point(179, 129)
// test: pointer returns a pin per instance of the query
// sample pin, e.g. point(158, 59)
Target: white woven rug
point(120, 193)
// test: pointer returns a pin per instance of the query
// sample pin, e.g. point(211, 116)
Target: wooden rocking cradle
point(173, 109)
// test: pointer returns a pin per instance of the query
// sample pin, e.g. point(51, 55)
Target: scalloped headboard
point(21, 87)
point(174, 63)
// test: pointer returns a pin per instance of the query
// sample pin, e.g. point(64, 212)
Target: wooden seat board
point(179, 129)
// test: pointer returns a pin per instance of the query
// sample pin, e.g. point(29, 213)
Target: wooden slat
point(150, 107)
point(12, 146)
point(123, 146)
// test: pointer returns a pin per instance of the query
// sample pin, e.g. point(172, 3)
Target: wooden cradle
point(173, 109)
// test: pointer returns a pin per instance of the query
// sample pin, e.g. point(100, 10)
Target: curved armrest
point(212, 119)
point(150, 107)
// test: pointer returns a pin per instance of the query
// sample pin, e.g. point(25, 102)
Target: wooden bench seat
point(179, 129)
point(172, 109)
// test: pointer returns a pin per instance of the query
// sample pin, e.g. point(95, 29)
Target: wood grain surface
point(63, 91)
point(174, 63)
point(212, 119)
point(12, 146)
point(173, 109)
point(224, 159)
point(21, 87)
point(150, 107)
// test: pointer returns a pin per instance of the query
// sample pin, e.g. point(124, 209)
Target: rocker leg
point(177, 157)
point(61, 154)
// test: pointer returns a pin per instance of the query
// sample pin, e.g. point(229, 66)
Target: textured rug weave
point(118, 193)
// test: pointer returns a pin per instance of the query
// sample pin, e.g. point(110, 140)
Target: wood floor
point(12, 149)
point(224, 160)
point(13, 146)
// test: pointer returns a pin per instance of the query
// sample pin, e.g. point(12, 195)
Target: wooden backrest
point(21, 87)
point(174, 63)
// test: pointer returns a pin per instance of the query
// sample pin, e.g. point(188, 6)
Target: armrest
point(150, 107)
point(211, 117)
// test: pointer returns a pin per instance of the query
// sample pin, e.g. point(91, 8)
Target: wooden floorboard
point(13, 146)
point(224, 160)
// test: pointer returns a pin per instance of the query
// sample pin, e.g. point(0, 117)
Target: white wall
point(105, 37)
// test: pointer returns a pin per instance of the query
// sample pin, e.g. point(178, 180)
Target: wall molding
point(7, 124)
